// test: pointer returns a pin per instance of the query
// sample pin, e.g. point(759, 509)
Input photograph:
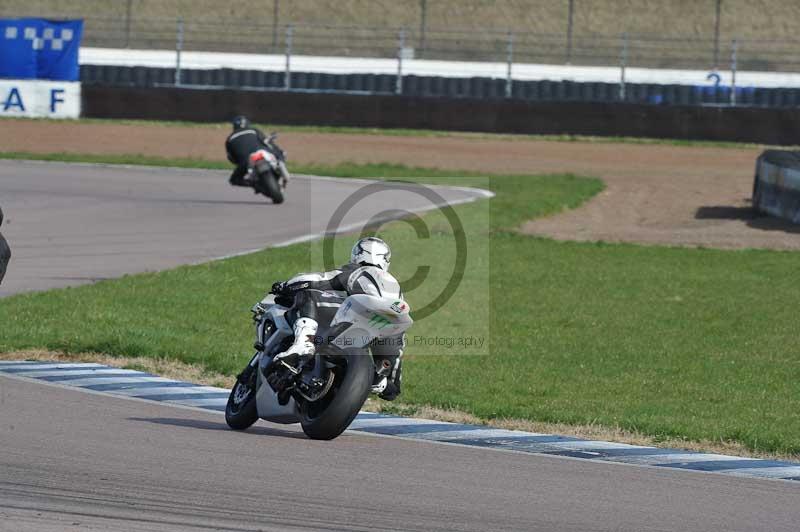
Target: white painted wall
point(425, 67)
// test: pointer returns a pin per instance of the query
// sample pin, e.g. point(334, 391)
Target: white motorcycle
point(325, 394)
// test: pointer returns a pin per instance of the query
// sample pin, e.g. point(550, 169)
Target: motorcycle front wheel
point(330, 415)
point(241, 411)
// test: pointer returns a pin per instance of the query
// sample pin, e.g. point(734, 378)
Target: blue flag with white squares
point(32, 48)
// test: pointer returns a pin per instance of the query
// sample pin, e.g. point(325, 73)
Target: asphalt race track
point(76, 461)
point(73, 460)
point(71, 224)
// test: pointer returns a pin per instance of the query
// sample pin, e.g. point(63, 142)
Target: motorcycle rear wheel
point(271, 187)
point(328, 417)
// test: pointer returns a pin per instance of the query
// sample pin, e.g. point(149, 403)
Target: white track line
point(168, 390)
point(480, 194)
point(88, 372)
point(38, 367)
point(222, 401)
point(764, 472)
point(456, 435)
point(674, 458)
point(88, 381)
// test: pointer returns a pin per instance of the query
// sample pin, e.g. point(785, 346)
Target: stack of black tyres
point(442, 87)
point(776, 187)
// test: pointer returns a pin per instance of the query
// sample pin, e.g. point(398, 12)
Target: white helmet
point(372, 251)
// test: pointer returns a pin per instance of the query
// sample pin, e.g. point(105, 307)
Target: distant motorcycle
point(5, 251)
point(325, 394)
point(267, 172)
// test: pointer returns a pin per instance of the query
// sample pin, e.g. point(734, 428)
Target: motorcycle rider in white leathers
point(315, 297)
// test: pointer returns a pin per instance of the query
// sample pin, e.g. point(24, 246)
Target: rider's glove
point(258, 311)
point(277, 288)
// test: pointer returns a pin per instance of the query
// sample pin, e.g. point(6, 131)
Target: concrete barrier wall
point(741, 124)
point(776, 190)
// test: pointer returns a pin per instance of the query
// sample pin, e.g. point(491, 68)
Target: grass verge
point(672, 344)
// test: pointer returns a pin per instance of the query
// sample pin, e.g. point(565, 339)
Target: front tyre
point(241, 411)
point(330, 415)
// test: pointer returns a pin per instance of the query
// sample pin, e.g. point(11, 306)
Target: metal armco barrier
point(741, 124)
point(776, 189)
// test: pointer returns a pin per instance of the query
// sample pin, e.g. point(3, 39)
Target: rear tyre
point(329, 416)
point(241, 411)
point(273, 189)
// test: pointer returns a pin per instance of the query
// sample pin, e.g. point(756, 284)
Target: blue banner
point(32, 48)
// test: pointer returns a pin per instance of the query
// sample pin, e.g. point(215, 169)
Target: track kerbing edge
point(144, 386)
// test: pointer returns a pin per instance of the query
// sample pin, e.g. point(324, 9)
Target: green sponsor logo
point(379, 322)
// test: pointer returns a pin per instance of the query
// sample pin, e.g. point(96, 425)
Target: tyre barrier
point(5, 251)
point(735, 124)
point(776, 186)
point(436, 86)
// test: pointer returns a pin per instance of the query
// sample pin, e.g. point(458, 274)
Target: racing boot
point(239, 178)
point(284, 174)
point(302, 349)
point(387, 378)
